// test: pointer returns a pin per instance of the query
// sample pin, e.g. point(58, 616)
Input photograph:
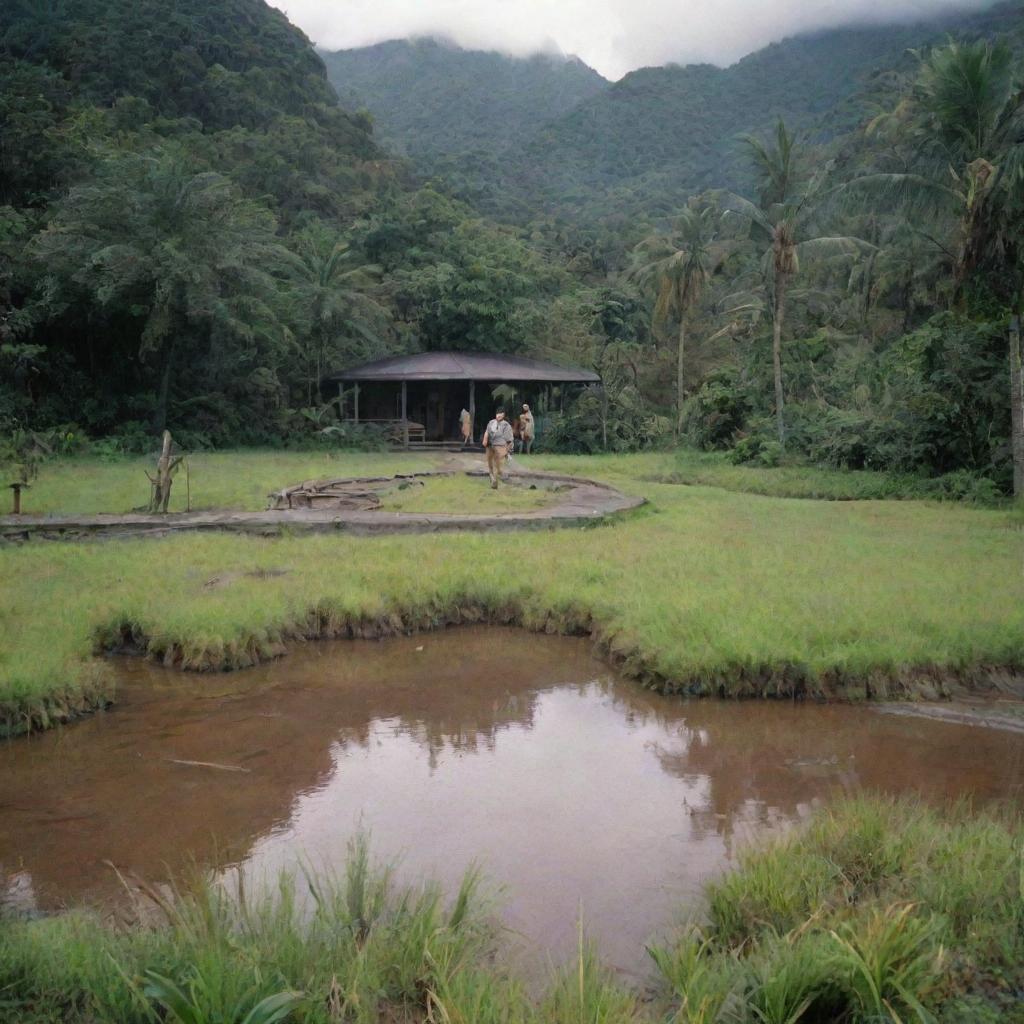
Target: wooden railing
point(395, 429)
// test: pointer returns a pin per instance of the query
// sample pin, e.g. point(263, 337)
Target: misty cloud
point(614, 36)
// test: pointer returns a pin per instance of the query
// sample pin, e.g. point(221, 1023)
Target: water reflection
point(569, 785)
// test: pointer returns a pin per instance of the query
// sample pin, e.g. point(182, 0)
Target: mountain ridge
point(660, 132)
point(429, 96)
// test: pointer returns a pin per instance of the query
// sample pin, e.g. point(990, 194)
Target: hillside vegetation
point(430, 97)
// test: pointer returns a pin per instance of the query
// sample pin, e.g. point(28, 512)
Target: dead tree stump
point(166, 467)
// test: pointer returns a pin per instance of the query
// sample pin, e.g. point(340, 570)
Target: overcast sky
point(614, 36)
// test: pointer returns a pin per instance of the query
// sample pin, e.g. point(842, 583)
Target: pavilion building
point(418, 398)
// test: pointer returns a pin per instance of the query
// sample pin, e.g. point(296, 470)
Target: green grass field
point(713, 469)
point(878, 912)
point(705, 589)
point(217, 480)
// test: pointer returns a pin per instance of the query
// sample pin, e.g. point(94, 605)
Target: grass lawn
point(218, 480)
point(705, 589)
point(687, 466)
point(463, 495)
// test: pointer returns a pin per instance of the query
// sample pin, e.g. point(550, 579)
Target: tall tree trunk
point(604, 417)
point(1016, 409)
point(321, 348)
point(679, 376)
point(160, 413)
point(907, 293)
point(781, 282)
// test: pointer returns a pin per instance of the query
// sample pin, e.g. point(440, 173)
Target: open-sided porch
point(419, 398)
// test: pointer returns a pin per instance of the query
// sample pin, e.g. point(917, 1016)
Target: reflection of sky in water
point(575, 810)
point(17, 894)
point(570, 788)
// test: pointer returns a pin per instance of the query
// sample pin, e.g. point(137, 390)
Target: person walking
point(526, 429)
point(498, 442)
point(466, 427)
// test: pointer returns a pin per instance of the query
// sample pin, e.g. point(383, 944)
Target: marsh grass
point(358, 948)
point(889, 911)
point(460, 494)
point(367, 951)
point(702, 592)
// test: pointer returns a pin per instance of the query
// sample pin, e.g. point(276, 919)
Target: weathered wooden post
point(1016, 409)
point(355, 392)
point(16, 497)
point(472, 409)
point(405, 413)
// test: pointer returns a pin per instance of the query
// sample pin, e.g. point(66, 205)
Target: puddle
point(571, 787)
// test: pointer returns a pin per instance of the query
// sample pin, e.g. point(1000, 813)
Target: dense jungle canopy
point(811, 254)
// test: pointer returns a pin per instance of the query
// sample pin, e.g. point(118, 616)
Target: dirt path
point(580, 503)
point(1004, 714)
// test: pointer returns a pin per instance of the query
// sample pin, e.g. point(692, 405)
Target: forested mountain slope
point(225, 63)
point(181, 71)
point(688, 120)
point(638, 146)
point(429, 96)
point(158, 160)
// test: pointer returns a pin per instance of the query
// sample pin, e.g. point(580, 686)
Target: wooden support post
point(405, 413)
point(472, 409)
point(16, 498)
point(342, 411)
point(356, 394)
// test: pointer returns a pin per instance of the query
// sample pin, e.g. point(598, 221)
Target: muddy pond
point(572, 788)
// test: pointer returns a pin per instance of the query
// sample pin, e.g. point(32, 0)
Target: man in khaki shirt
point(498, 439)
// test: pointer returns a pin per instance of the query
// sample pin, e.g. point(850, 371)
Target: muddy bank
point(999, 712)
point(769, 681)
point(782, 680)
point(94, 690)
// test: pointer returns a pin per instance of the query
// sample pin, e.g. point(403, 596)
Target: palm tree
point(780, 223)
point(185, 251)
point(675, 268)
point(332, 290)
point(965, 124)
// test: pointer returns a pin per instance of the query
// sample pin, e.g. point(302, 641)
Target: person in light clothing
point(526, 430)
point(466, 427)
point(498, 441)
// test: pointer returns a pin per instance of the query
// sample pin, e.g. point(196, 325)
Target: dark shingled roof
point(464, 366)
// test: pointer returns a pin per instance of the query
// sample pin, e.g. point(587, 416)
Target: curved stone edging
point(583, 503)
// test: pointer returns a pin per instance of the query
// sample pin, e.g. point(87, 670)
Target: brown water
point(571, 787)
